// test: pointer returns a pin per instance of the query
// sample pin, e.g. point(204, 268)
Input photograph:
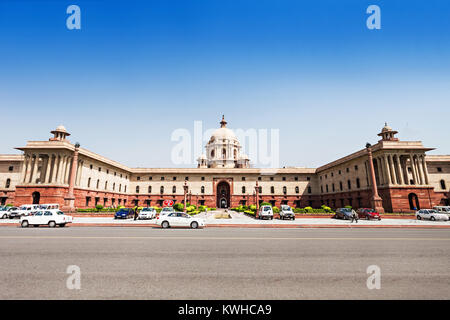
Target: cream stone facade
point(57, 171)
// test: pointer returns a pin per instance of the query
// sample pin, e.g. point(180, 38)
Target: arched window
point(349, 184)
point(114, 186)
point(137, 189)
point(8, 183)
point(212, 153)
point(297, 190)
point(358, 183)
point(125, 189)
point(120, 187)
point(272, 189)
point(309, 189)
point(98, 183)
point(224, 153)
point(202, 189)
point(332, 187)
point(149, 189)
point(443, 186)
point(243, 189)
point(174, 189)
point(284, 190)
point(89, 183)
point(340, 185)
point(161, 190)
point(106, 185)
point(326, 187)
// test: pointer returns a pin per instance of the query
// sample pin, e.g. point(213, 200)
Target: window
point(8, 183)
point(326, 187)
point(260, 190)
point(308, 178)
point(340, 185)
point(138, 178)
point(348, 169)
point(99, 169)
point(284, 178)
point(11, 168)
point(120, 187)
point(439, 169)
point(149, 189)
point(186, 178)
point(326, 176)
point(174, 189)
point(349, 185)
point(332, 174)
point(271, 178)
point(115, 173)
point(174, 178)
point(321, 189)
point(162, 178)
point(309, 189)
point(161, 190)
point(114, 186)
point(358, 183)
point(243, 178)
point(202, 189)
point(137, 189)
point(150, 178)
point(443, 186)
point(272, 189)
point(259, 178)
point(90, 167)
point(332, 187)
point(296, 178)
point(356, 168)
point(124, 190)
point(107, 171)
point(203, 178)
point(106, 185)
point(98, 184)
point(340, 172)
point(297, 189)
point(284, 190)
point(243, 189)
point(89, 183)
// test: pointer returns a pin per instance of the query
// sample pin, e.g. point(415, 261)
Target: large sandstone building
point(57, 171)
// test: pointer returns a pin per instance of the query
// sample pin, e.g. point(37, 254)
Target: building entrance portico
point(223, 195)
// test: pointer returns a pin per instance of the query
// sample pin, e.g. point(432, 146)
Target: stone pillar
point(400, 170)
point(386, 169)
point(392, 168)
point(377, 202)
point(49, 167)
point(420, 168)
point(26, 160)
point(35, 169)
point(69, 165)
point(425, 169)
point(70, 197)
point(413, 168)
point(55, 169)
point(60, 169)
point(79, 170)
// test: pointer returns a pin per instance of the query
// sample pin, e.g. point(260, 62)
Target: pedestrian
point(135, 212)
point(354, 216)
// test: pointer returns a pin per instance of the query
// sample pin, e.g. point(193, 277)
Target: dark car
point(124, 213)
point(368, 213)
point(343, 213)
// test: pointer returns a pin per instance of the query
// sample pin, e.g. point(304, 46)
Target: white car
point(431, 214)
point(46, 217)
point(25, 210)
point(265, 212)
point(443, 209)
point(166, 211)
point(179, 219)
point(147, 213)
point(286, 212)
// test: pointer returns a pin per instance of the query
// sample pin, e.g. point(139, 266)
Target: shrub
point(252, 208)
point(178, 207)
point(250, 212)
point(275, 209)
point(99, 207)
point(348, 207)
point(9, 205)
point(327, 209)
point(265, 204)
point(202, 208)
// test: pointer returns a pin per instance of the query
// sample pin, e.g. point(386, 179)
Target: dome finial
point(223, 123)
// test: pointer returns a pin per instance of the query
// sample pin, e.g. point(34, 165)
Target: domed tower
point(387, 134)
point(223, 149)
point(59, 134)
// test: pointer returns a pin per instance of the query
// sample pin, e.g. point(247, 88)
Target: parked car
point(368, 213)
point(443, 209)
point(48, 206)
point(166, 211)
point(265, 212)
point(4, 212)
point(343, 213)
point(52, 218)
point(286, 212)
point(179, 219)
point(147, 213)
point(124, 213)
point(24, 210)
point(431, 214)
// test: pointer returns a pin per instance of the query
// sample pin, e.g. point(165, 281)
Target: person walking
point(354, 216)
point(135, 212)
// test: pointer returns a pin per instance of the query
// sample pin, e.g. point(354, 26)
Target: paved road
point(147, 263)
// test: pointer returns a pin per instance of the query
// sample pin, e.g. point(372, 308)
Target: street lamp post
point(185, 188)
point(376, 201)
point(257, 198)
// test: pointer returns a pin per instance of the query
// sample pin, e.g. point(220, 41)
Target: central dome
point(223, 133)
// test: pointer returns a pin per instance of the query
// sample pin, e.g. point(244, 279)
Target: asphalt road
point(147, 263)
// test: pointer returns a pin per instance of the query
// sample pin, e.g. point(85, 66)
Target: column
point(70, 197)
point(392, 168)
point(386, 169)
point(400, 170)
point(419, 167)
point(380, 170)
point(49, 167)
point(80, 168)
point(60, 169)
point(425, 169)
point(376, 200)
point(25, 167)
point(35, 168)
point(55, 169)
point(68, 169)
point(413, 168)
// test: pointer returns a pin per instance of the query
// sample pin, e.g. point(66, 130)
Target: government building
point(392, 175)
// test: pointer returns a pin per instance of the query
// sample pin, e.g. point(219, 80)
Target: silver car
point(431, 214)
point(265, 212)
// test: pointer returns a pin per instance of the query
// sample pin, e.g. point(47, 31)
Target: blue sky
point(138, 70)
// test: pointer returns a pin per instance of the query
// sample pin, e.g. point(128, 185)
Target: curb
point(269, 226)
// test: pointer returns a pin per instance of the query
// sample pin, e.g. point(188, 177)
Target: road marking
point(217, 238)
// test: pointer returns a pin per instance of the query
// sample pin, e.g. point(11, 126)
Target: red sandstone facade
point(57, 171)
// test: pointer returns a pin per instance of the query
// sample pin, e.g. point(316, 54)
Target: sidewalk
point(240, 220)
